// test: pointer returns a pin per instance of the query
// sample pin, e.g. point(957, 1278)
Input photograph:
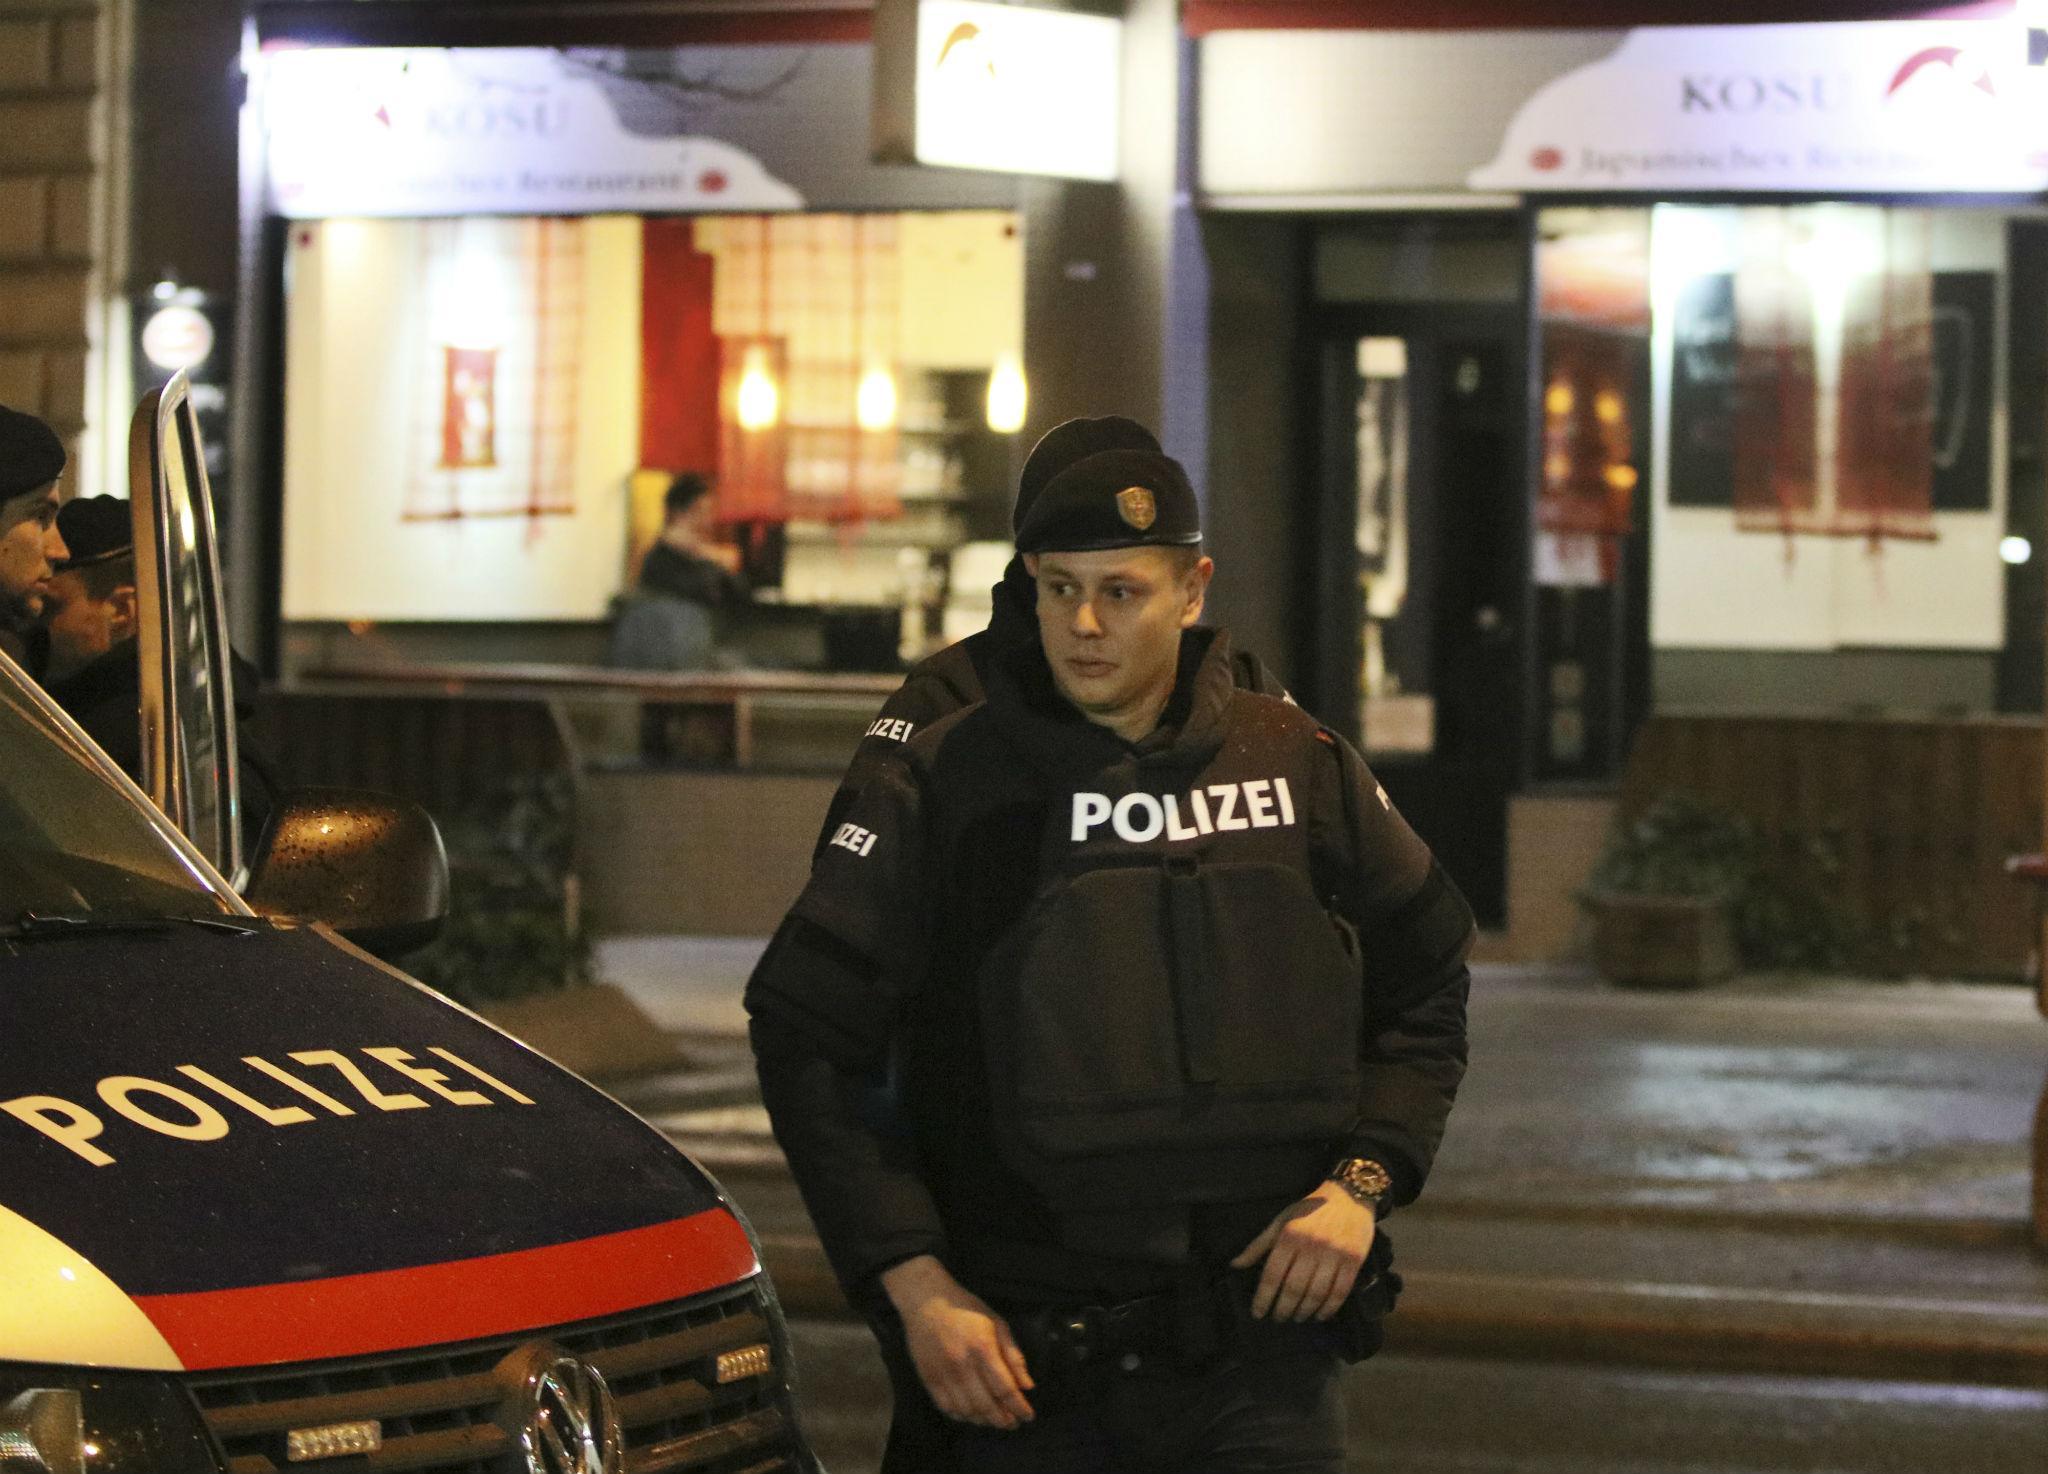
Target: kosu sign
point(1896, 107)
point(413, 132)
point(489, 118)
point(1880, 107)
point(1745, 93)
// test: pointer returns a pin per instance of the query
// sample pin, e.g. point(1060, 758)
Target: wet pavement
point(1778, 1225)
point(1781, 1096)
point(1785, 1097)
point(1410, 1414)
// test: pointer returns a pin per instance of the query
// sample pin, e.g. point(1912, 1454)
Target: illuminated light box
point(413, 132)
point(964, 84)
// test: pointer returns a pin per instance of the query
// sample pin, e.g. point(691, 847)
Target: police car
point(267, 1203)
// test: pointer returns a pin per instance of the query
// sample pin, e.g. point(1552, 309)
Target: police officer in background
point(91, 621)
point(92, 657)
point(1173, 1006)
point(954, 677)
point(31, 461)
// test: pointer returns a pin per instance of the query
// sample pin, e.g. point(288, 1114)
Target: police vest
point(1177, 1016)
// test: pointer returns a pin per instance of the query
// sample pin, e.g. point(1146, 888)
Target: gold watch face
point(1365, 1178)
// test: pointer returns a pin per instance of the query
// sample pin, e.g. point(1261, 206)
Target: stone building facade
point(56, 179)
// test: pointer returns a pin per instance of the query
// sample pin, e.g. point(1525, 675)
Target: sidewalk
point(1798, 1174)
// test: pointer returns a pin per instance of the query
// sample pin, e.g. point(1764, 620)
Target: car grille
point(445, 1409)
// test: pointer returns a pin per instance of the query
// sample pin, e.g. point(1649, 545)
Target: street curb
point(1691, 1327)
point(1647, 1324)
point(1927, 1228)
point(1699, 1327)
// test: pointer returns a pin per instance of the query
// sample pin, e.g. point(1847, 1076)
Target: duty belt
point(1202, 1322)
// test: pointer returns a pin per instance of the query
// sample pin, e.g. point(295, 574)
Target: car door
point(188, 709)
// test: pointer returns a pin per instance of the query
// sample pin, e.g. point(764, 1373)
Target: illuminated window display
point(1825, 397)
point(520, 288)
point(482, 413)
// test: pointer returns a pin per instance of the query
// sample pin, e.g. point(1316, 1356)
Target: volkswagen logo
point(572, 1421)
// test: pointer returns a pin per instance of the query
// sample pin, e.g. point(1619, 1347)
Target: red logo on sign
point(712, 181)
point(1547, 159)
point(1944, 56)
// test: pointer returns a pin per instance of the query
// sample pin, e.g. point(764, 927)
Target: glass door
point(1422, 555)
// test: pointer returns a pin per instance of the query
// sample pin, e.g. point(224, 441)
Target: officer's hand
point(1313, 1252)
point(964, 1352)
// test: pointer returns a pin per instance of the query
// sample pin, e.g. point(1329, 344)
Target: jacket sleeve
point(922, 699)
point(823, 1005)
point(1415, 931)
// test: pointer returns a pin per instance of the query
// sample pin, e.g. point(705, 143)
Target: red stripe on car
point(461, 1300)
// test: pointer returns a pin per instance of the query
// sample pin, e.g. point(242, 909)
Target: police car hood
point(228, 1150)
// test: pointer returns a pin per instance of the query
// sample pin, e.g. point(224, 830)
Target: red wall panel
point(678, 350)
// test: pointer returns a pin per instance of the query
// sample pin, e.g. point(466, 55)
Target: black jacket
point(945, 849)
point(105, 698)
point(956, 677)
point(680, 575)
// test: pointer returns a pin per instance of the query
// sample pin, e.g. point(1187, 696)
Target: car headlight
point(80, 1420)
point(43, 1429)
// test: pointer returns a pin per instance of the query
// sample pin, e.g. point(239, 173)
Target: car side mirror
point(370, 865)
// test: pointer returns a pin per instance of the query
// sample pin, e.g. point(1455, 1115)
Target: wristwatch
point(1366, 1180)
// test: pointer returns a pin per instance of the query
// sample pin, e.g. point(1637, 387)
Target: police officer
point(31, 461)
point(1174, 1006)
point(91, 621)
point(953, 678)
point(92, 658)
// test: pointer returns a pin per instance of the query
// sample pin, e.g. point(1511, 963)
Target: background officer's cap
point(1071, 441)
point(95, 529)
point(1113, 499)
point(31, 455)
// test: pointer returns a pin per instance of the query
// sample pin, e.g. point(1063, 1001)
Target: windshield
point(72, 842)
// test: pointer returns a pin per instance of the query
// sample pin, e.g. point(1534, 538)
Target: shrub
point(512, 926)
point(1681, 845)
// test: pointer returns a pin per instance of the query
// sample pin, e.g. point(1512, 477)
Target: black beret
point(95, 528)
point(1068, 442)
point(31, 455)
point(1113, 499)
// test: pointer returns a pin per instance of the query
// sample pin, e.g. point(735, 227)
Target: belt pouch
point(1361, 1322)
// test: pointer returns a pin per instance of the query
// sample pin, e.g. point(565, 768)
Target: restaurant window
point(482, 414)
point(1830, 487)
point(1772, 469)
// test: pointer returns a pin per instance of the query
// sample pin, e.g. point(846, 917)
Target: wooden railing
point(1912, 818)
point(450, 735)
point(744, 693)
point(447, 755)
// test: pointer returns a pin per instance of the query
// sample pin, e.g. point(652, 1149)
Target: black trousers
point(1253, 1416)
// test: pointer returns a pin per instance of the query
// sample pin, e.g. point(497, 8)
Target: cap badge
point(1137, 506)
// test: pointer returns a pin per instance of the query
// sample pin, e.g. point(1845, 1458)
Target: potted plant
point(514, 947)
point(1665, 895)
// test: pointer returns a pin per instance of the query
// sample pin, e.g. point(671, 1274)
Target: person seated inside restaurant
point(671, 620)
